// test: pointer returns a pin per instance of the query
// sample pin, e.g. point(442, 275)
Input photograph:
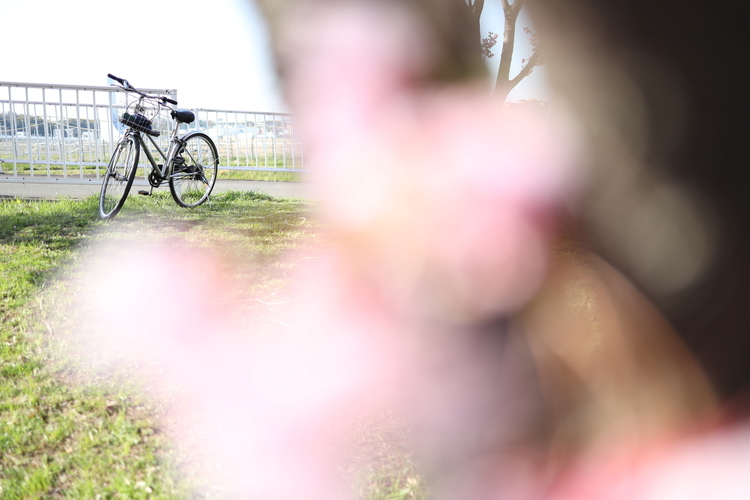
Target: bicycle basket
point(139, 122)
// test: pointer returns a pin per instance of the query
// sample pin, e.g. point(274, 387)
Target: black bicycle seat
point(183, 115)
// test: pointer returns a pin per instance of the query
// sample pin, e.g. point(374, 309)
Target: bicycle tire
point(195, 169)
point(119, 176)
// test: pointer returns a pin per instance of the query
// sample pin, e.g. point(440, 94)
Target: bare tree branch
point(530, 64)
point(517, 5)
point(477, 6)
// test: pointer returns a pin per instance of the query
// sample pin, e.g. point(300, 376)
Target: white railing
point(65, 133)
point(252, 140)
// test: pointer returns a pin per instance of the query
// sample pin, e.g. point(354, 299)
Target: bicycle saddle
point(183, 115)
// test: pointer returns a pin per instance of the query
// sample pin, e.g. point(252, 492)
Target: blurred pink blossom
point(428, 188)
point(440, 207)
point(708, 465)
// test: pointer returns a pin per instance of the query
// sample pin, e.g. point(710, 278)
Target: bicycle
point(189, 166)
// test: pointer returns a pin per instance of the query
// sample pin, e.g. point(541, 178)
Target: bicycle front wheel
point(119, 177)
point(194, 173)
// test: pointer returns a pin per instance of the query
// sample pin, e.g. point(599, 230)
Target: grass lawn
point(73, 171)
point(65, 437)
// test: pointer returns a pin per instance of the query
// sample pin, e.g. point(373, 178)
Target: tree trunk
point(474, 9)
point(502, 89)
point(503, 83)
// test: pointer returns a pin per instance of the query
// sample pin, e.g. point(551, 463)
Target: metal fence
point(65, 133)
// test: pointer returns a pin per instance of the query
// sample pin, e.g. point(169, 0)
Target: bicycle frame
point(174, 146)
point(168, 157)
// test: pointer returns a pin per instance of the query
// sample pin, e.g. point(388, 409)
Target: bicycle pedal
point(144, 192)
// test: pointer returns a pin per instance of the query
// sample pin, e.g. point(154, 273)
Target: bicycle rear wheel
point(119, 177)
point(195, 169)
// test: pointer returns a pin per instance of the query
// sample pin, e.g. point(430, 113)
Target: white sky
point(214, 52)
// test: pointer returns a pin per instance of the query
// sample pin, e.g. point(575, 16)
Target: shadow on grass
point(57, 224)
point(35, 237)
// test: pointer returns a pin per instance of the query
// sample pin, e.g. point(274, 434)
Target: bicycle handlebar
point(121, 80)
point(126, 85)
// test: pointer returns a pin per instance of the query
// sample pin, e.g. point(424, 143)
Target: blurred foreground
point(458, 285)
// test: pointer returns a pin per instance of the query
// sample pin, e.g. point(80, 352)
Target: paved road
point(58, 189)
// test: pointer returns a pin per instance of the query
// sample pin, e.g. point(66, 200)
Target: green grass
point(260, 175)
point(379, 463)
point(40, 170)
point(67, 436)
point(58, 439)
